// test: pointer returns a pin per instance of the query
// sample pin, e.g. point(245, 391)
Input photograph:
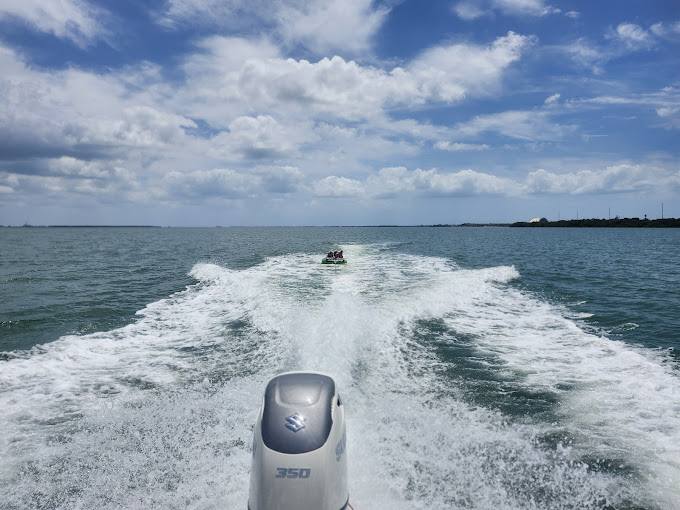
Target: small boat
point(329, 260)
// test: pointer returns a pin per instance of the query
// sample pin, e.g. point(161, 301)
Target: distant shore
point(83, 226)
point(597, 223)
point(587, 223)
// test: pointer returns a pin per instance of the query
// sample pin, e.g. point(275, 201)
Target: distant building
point(538, 220)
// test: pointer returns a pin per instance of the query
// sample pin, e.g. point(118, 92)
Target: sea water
point(480, 367)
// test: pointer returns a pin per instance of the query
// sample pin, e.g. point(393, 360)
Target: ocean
point(480, 367)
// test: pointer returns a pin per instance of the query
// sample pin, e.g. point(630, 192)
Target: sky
point(337, 112)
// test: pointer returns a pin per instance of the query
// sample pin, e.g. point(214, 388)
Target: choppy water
point(481, 368)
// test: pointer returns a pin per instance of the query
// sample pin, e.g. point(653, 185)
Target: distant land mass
point(595, 223)
point(26, 225)
point(542, 222)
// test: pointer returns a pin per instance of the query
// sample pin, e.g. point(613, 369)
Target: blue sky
point(352, 112)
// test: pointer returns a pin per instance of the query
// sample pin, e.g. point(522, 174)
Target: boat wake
point(461, 390)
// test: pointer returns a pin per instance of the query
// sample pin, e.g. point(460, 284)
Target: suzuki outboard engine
point(299, 459)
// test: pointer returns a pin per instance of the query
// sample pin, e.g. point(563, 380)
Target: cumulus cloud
point(145, 126)
point(448, 73)
point(91, 127)
point(227, 183)
point(67, 178)
point(395, 181)
point(67, 19)
point(321, 26)
point(216, 183)
point(70, 166)
point(340, 89)
point(260, 137)
point(624, 178)
point(280, 179)
point(333, 186)
point(328, 25)
point(81, 114)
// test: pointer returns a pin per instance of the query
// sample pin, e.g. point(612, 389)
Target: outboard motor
point(299, 458)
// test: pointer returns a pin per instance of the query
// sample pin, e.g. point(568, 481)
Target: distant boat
point(334, 257)
point(334, 260)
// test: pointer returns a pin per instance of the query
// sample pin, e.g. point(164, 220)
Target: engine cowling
point(299, 446)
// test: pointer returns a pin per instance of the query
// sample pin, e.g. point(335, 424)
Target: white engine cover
point(299, 446)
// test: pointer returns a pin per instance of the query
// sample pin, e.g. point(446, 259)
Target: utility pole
point(661, 210)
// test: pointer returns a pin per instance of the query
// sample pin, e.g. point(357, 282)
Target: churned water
point(480, 367)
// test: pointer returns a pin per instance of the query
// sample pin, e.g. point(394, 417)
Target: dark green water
point(482, 367)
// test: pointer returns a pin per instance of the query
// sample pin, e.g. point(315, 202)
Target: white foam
point(160, 413)
point(618, 400)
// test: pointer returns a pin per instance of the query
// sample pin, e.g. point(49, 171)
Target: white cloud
point(666, 30)
point(456, 147)
point(280, 179)
point(144, 126)
point(67, 111)
point(67, 165)
point(522, 125)
point(71, 179)
point(131, 134)
point(472, 9)
point(623, 178)
point(334, 88)
point(666, 104)
point(260, 137)
point(587, 55)
point(333, 186)
point(670, 115)
point(322, 26)
point(67, 19)
point(552, 100)
point(465, 183)
point(219, 56)
point(392, 182)
point(217, 183)
point(667, 111)
point(532, 7)
point(633, 36)
point(325, 26)
point(622, 40)
point(448, 73)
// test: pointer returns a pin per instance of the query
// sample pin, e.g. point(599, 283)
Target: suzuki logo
point(295, 422)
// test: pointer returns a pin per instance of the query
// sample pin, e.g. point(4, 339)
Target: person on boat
point(336, 255)
point(330, 255)
point(340, 254)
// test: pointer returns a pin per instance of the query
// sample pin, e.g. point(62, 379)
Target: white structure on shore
point(538, 220)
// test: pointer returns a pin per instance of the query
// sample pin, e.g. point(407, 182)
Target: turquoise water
point(482, 367)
